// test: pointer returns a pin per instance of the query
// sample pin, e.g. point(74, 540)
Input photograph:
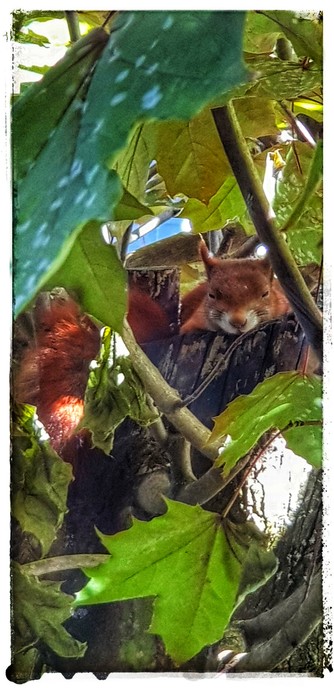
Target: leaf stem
point(73, 25)
point(312, 182)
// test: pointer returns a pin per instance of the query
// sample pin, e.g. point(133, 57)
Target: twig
point(208, 486)
point(222, 363)
point(300, 129)
point(310, 186)
point(307, 312)
point(253, 460)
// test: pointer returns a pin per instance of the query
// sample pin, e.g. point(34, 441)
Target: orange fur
point(54, 369)
point(146, 318)
point(237, 296)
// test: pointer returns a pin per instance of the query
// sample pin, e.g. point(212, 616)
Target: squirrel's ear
point(265, 265)
point(208, 261)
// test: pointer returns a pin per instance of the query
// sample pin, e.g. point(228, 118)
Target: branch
point(212, 482)
point(292, 628)
point(265, 625)
point(64, 563)
point(167, 399)
point(307, 312)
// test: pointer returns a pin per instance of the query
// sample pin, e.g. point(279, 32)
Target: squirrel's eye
point(211, 295)
point(266, 293)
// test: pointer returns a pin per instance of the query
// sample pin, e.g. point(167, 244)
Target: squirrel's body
point(237, 296)
point(54, 367)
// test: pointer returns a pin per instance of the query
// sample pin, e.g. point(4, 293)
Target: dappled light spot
point(140, 60)
point(168, 23)
point(122, 75)
point(151, 98)
point(118, 98)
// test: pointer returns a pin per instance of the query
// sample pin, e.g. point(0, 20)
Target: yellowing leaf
point(226, 204)
point(190, 157)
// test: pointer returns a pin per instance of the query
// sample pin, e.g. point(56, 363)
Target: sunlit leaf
point(194, 604)
point(190, 156)
point(306, 441)
point(277, 402)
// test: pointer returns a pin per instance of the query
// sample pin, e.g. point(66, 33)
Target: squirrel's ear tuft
point(265, 265)
point(208, 261)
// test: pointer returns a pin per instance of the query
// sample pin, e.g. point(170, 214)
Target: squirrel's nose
point(238, 321)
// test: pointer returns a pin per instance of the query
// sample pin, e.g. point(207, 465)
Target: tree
point(148, 87)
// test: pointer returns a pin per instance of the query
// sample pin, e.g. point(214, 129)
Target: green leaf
point(39, 611)
point(40, 110)
point(260, 564)
point(306, 441)
point(304, 32)
point(46, 122)
point(94, 272)
point(114, 392)
point(280, 400)
point(227, 204)
point(310, 186)
point(39, 482)
point(130, 208)
point(260, 34)
point(281, 80)
point(35, 69)
point(194, 604)
point(256, 116)
point(146, 71)
point(303, 169)
point(33, 38)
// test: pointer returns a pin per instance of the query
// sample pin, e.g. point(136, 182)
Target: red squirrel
point(238, 295)
point(54, 368)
